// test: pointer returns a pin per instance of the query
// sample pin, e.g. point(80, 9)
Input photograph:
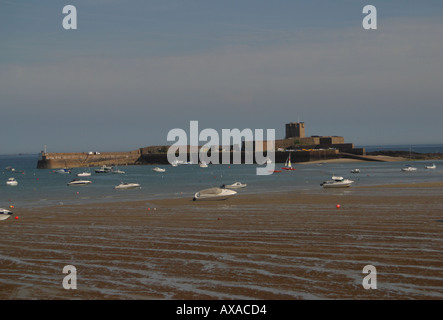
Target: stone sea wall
point(138, 157)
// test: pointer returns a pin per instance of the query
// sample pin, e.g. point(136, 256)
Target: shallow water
point(43, 187)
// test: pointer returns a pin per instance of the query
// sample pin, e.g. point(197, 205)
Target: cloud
point(325, 76)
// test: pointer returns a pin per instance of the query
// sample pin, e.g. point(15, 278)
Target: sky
point(133, 70)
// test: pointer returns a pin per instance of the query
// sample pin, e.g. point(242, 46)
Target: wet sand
point(295, 245)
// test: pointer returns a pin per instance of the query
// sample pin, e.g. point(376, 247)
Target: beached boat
point(103, 169)
point(79, 182)
point(288, 164)
point(157, 169)
point(127, 185)
point(214, 194)
point(409, 168)
point(11, 182)
point(235, 185)
point(430, 166)
point(4, 214)
point(337, 182)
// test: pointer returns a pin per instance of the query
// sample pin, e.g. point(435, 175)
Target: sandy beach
point(295, 245)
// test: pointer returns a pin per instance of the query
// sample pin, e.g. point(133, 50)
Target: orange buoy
point(16, 217)
point(338, 206)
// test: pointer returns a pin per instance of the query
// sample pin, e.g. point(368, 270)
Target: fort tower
point(295, 130)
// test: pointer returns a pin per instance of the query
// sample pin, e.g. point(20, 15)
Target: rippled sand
point(275, 246)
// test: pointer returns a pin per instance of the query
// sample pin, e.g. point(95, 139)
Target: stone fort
point(296, 137)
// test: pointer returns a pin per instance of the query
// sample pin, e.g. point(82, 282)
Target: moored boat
point(127, 185)
point(203, 164)
point(430, 166)
point(337, 182)
point(63, 171)
point(235, 185)
point(79, 182)
point(11, 182)
point(83, 174)
point(157, 169)
point(409, 168)
point(103, 169)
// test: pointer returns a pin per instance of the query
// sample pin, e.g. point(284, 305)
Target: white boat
point(127, 185)
point(355, 171)
point(83, 174)
point(11, 182)
point(430, 166)
point(203, 164)
point(157, 169)
point(409, 168)
point(103, 169)
point(214, 194)
point(235, 185)
point(117, 171)
point(175, 163)
point(63, 171)
point(337, 182)
point(4, 214)
point(79, 182)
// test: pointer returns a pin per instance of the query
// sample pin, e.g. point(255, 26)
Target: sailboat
point(409, 167)
point(288, 165)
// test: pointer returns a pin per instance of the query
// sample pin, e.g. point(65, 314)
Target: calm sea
point(44, 187)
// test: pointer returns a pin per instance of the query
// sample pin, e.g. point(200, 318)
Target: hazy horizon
point(133, 70)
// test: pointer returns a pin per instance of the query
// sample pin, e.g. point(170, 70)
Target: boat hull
point(79, 183)
point(5, 214)
point(336, 185)
point(127, 186)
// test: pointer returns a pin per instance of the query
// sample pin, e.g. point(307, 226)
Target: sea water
point(45, 187)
